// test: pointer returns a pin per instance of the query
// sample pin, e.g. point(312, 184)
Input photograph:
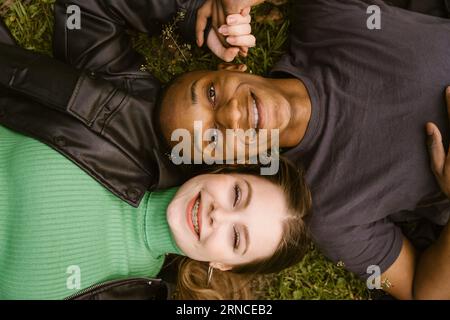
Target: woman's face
point(227, 219)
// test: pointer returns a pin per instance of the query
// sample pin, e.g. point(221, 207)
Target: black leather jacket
point(99, 111)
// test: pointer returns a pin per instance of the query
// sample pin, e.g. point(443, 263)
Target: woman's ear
point(232, 67)
point(220, 266)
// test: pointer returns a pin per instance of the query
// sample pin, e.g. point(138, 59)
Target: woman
point(56, 224)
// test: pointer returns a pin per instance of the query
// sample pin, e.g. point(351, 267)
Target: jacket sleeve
point(105, 130)
point(103, 45)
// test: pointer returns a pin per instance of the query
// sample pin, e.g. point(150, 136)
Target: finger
point(243, 52)
point(236, 30)
point(229, 54)
point(246, 11)
point(238, 6)
point(236, 19)
point(242, 41)
point(447, 97)
point(202, 21)
point(219, 19)
point(436, 149)
point(226, 54)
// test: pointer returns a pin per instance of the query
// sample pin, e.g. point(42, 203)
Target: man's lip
point(261, 115)
point(189, 209)
point(251, 114)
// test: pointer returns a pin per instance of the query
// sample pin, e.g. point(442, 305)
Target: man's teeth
point(195, 215)
point(255, 115)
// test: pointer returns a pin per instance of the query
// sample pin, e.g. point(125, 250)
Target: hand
point(229, 35)
point(236, 6)
point(440, 162)
point(237, 34)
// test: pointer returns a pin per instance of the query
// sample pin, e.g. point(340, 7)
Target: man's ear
point(232, 67)
point(220, 266)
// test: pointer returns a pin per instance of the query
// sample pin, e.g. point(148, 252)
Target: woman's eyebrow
point(246, 204)
point(249, 194)
point(247, 239)
point(194, 96)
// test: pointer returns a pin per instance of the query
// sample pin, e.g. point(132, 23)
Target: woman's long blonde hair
point(234, 284)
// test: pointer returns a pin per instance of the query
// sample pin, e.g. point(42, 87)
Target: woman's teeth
point(195, 216)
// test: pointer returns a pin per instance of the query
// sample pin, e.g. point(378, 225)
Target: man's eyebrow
point(194, 96)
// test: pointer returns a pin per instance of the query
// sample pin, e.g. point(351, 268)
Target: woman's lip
point(189, 208)
point(199, 216)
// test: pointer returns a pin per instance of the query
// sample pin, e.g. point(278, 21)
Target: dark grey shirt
point(372, 92)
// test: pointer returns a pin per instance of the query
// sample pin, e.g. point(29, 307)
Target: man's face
point(224, 100)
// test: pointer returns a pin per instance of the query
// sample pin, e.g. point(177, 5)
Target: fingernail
point(430, 131)
point(230, 40)
point(231, 20)
point(223, 29)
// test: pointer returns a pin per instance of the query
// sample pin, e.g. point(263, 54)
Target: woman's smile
point(193, 215)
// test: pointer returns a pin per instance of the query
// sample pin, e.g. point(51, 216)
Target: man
point(351, 104)
point(356, 119)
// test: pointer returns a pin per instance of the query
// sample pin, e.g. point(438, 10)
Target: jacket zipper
point(105, 284)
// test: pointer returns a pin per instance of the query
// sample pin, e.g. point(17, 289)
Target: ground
point(316, 277)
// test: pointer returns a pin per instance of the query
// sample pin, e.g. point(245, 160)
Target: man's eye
point(215, 136)
point(237, 238)
point(212, 94)
point(237, 195)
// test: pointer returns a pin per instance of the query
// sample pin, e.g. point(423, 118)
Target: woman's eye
point(212, 94)
point(237, 195)
point(236, 238)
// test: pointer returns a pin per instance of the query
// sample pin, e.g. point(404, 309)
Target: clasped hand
point(231, 33)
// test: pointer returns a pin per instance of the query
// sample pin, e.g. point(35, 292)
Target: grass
point(30, 22)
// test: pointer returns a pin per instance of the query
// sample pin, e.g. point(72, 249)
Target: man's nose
point(229, 115)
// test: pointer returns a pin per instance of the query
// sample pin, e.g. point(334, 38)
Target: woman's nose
point(229, 115)
point(219, 216)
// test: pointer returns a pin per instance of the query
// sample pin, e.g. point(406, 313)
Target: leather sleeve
point(5, 34)
point(89, 109)
point(100, 106)
point(127, 289)
point(103, 45)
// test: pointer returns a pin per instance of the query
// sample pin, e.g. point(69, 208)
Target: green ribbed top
point(56, 222)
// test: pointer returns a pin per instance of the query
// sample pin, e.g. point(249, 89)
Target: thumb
point(203, 15)
point(246, 12)
point(447, 97)
point(435, 148)
point(230, 53)
point(226, 54)
point(238, 6)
